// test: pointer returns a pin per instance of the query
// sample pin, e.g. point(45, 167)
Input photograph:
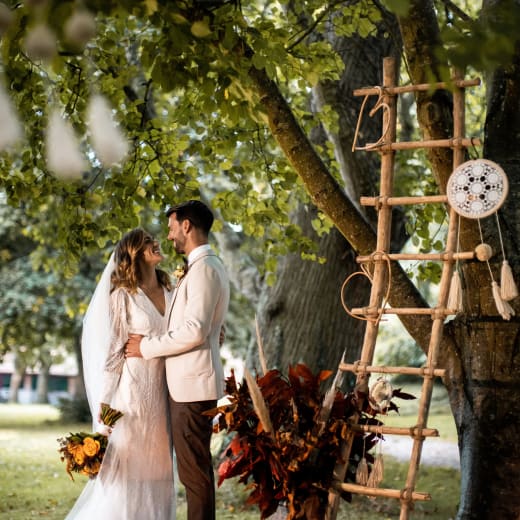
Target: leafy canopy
point(181, 91)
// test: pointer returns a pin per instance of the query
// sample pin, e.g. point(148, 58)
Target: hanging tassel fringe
point(503, 308)
point(362, 472)
point(508, 288)
point(376, 477)
point(455, 294)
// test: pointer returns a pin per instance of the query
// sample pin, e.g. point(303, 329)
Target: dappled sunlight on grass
point(34, 484)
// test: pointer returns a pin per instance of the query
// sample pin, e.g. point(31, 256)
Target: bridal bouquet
point(84, 452)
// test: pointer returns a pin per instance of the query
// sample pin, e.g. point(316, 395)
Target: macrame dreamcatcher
point(477, 189)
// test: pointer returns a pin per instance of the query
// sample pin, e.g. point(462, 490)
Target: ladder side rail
point(438, 319)
point(380, 270)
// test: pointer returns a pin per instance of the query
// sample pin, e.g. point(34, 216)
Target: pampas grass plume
point(259, 403)
point(63, 156)
point(108, 142)
point(10, 128)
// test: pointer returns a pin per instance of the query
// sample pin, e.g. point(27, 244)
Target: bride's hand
point(133, 346)
point(103, 428)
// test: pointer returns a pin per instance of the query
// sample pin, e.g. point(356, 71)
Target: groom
point(191, 347)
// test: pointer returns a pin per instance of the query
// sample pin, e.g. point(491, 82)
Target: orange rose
point(73, 447)
point(79, 457)
point(90, 446)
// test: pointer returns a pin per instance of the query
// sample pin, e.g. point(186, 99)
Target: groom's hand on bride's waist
point(133, 346)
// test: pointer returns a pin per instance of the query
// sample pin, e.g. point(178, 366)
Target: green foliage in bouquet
point(83, 452)
point(286, 452)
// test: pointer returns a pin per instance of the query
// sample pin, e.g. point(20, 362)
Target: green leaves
point(399, 7)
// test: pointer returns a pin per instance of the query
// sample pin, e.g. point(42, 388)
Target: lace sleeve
point(119, 336)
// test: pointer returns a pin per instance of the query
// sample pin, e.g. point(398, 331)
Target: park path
point(435, 452)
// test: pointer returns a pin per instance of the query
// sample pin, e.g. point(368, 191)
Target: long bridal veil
point(136, 477)
point(95, 340)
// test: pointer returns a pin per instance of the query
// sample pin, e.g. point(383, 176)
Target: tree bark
point(80, 391)
point(42, 385)
point(482, 399)
point(16, 379)
point(329, 196)
point(294, 328)
point(483, 356)
point(301, 318)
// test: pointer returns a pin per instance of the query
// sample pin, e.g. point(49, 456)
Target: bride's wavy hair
point(127, 253)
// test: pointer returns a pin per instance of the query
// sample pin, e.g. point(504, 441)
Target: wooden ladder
point(387, 146)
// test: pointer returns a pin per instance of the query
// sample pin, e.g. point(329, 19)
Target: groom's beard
point(179, 248)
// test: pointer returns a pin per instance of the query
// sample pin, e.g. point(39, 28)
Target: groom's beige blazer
point(191, 346)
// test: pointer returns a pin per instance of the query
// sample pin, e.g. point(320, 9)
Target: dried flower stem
point(259, 404)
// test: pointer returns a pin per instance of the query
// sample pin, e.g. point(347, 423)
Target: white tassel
point(378, 468)
point(503, 308)
point(108, 142)
point(508, 288)
point(63, 155)
point(10, 129)
point(362, 472)
point(455, 294)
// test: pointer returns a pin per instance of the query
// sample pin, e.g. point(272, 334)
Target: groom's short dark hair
point(195, 211)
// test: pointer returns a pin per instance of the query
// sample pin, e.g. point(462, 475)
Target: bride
point(135, 481)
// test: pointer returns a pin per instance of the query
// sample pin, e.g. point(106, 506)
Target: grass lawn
point(33, 482)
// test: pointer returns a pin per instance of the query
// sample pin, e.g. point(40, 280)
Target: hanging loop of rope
point(379, 104)
point(365, 272)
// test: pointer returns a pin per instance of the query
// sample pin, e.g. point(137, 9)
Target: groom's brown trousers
point(191, 432)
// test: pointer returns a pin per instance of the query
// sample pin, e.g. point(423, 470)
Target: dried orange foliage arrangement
point(292, 459)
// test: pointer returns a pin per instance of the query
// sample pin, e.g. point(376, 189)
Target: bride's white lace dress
point(136, 478)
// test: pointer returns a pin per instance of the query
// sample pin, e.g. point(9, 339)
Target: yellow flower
point(79, 457)
point(83, 452)
point(73, 447)
point(90, 446)
point(179, 272)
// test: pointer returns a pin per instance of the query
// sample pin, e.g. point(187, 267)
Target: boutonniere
point(180, 272)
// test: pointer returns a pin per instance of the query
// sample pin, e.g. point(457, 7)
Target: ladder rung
point(382, 492)
point(376, 91)
point(446, 256)
point(413, 431)
point(401, 201)
point(372, 311)
point(454, 142)
point(414, 371)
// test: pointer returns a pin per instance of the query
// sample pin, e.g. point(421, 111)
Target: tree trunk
point(42, 385)
point(301, 318)
point(80, 392)
point(294, 327)
point(16, 379)
point(483, 358)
